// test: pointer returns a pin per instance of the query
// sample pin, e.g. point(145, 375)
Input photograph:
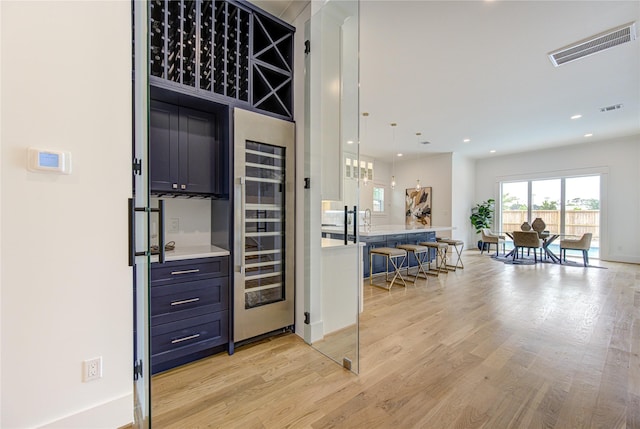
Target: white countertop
point(330, 243)
point(192, 252)
point(377, 230)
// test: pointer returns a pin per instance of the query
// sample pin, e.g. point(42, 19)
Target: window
point(567, 205)
point(378, 199)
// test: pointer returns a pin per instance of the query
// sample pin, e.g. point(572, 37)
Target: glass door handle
point(346, 220)
point(132, 230)
point(355, 224)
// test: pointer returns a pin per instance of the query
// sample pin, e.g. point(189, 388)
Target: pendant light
point(418, 186)
point(393, 161)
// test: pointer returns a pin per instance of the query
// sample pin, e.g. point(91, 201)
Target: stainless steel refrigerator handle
point(243, 226)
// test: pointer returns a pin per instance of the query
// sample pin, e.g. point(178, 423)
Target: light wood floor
point(491, 346)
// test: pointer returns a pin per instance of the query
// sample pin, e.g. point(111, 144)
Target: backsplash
point(336, 217)
point(187, 221)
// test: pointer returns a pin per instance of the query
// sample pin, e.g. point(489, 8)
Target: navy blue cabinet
point(189, 310)
point(378, 263)
point(183, 149)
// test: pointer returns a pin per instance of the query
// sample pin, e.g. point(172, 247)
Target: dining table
point(547, 239)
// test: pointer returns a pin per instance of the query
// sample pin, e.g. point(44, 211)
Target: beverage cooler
point(264, 176)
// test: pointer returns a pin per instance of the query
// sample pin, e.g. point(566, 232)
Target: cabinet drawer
point(173, 340)
point(190, 269)
point(170, 302)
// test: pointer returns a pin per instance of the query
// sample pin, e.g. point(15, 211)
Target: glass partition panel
point(333, 290)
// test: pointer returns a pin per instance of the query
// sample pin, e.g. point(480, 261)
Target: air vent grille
point(594, 44)
point(611, 108)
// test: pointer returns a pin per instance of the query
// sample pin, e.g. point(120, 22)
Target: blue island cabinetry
point(394, 237)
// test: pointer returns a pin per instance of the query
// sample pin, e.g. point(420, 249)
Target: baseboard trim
point(117, 413)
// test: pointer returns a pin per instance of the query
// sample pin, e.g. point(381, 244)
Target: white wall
point(66, 290)
point(193, 218)
point(620, 198)
point(462, 197)
point(434, 171)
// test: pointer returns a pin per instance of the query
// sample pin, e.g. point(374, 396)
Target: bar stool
point(391, 254)
point(454, 243)
point(420, 252)
point(441, 254)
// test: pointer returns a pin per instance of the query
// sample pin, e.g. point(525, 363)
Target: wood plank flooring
point(491, 346)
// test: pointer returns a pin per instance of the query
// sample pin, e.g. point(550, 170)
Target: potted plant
point(482, 216)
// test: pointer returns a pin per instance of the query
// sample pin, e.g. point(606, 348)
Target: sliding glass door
point(546, 202)
point(582, 210)
point(566, 205)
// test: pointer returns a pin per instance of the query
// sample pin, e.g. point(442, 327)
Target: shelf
point(205, 45)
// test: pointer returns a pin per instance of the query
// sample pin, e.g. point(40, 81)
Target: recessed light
point(349, 141)
point(588, 135)
point(466, 140)
point(399, 154)
point(492, 151)
point(576, 117)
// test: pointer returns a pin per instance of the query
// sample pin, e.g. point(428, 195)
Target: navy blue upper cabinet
point(182, 149)
point(225, 51)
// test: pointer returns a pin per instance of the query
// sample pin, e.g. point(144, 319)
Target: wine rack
point(223, 49)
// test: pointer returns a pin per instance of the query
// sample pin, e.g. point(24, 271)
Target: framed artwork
point(418, 206)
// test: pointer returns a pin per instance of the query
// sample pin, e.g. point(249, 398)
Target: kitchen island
point(386, 236)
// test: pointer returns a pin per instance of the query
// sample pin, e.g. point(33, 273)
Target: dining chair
point(583, 244)
point(528, 240)
point(490, 238)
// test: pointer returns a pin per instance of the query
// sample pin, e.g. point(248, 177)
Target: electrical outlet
point(92, 369)
point(174, 225)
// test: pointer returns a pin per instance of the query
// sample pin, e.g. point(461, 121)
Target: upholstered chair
point(583, 244)
point(490, 238)
point(528, 240)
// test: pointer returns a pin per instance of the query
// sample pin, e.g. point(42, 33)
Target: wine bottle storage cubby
point(206, 45)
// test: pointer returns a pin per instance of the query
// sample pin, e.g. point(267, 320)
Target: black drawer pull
point(190, 337)
point(176, 273)
point(185, 301)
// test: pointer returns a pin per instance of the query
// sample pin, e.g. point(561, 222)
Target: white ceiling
point(479, 70)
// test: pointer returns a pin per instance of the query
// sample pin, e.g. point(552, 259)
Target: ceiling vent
point(594, 44)
point(611, 108)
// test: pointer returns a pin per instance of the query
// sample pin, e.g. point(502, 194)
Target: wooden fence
point(577, 222)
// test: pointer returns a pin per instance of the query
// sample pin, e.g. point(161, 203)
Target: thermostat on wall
point(49, 161)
